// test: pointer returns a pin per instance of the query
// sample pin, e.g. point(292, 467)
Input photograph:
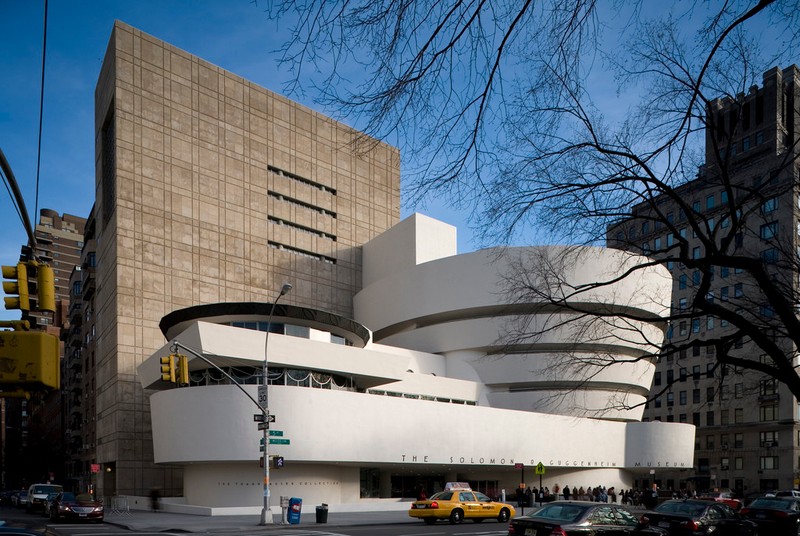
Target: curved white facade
point(440, 397)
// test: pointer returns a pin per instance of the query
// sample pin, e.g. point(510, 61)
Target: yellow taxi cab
point(458, 502)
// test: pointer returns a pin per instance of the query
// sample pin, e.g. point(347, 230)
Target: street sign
point(262, 396)
point(276, 433)
point(278, 441)
point(519, 466)
point(258, 417)
point(540, 469)
point(263, 426)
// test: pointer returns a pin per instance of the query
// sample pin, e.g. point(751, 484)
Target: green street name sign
point(279, 441)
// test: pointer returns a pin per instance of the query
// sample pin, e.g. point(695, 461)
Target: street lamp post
point(266, 518)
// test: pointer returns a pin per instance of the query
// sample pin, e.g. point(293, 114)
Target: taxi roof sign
point(450, 486)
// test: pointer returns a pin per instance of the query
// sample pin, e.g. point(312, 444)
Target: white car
point(37, 495)
point(788, 493)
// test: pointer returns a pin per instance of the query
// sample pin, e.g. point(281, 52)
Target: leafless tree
point(506, 109)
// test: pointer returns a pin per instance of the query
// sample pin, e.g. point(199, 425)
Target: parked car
point(696, 517)
point(20, 498)
point(458, 503)
point(37, 495)
point(775, 516)
point(574, 518)
point(750, 497)
point(788, 493)
point(67, 505)
point(726, 497)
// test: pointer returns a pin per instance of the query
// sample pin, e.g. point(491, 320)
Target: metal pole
point(266, 518)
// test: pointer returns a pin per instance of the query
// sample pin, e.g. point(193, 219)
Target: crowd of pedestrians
point(647, 498)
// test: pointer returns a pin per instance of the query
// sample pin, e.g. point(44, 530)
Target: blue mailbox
point(295, 506)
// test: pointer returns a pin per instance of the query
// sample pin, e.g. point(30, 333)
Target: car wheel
point(456, 516)
point(504, 516)
point(429, 520)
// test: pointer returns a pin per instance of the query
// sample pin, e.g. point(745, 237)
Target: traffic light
point(29, 360)
point(45, 289)
point(182, 369)
point(278, 462)
point(19, 273)
point(168, 368)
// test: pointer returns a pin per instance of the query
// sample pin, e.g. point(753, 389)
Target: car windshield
point(46, 489)
point(561, 512)
point(681, 508)
point(67, 496)
point(774, 503)
point(481, 497)
point(442, 495)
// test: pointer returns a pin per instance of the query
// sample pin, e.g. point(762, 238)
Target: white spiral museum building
point(444, 374)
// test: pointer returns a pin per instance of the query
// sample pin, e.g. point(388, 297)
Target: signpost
point(540, 471)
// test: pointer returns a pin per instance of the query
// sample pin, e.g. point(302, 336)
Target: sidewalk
point(143, 520)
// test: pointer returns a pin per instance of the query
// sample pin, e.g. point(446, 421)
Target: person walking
point(567, 493)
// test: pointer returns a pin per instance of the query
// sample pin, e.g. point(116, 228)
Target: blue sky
point(235, 35)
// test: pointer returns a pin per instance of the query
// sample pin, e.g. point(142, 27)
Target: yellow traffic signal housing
point(29, 360)
point(168, 368)
point(45, 289)
point(182, 369)
point(19, 287)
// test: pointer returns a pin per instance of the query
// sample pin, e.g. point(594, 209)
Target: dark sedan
point(579, 518)
point(698, 517)
point(778, 516)
point(67, 505)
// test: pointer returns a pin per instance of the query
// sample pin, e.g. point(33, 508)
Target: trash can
point(322, 513)
point(295, 506)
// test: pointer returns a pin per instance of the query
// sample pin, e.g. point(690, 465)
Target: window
point(709, 394)
point(696, 252)
point(682, 304)
point(645, 227)
point(682, 328)
point(696, 206)
point(682, 417)
point(683, 374)
point(670, 399)
point(670, 376)
point(767, 387)
point(696, 370)
point(723, 294)
point(746, 143)
point(738, 416)
point(695, 396)
point(768, 439)
point(710, 442)
point(770, 255)
point(738, 290)
point(709, 202)
point(682, 398)
point(738, 463)
point(696, 419)
point(768, 462)
point(695, 325)
point(658, 402)
point(696, 276)
point(682, 232)
point(657, 243)
point(724, 392)
point(723, 417)
point(724, 272)
point(657, 378)
point(768, 413)
point(738, 390)
point(709, 322)
point(724, 464)
point(770, 205)
point(682, 281)
point(710, 422)
point(769, 230)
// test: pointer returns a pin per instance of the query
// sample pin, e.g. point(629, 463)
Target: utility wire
point(41, 112)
